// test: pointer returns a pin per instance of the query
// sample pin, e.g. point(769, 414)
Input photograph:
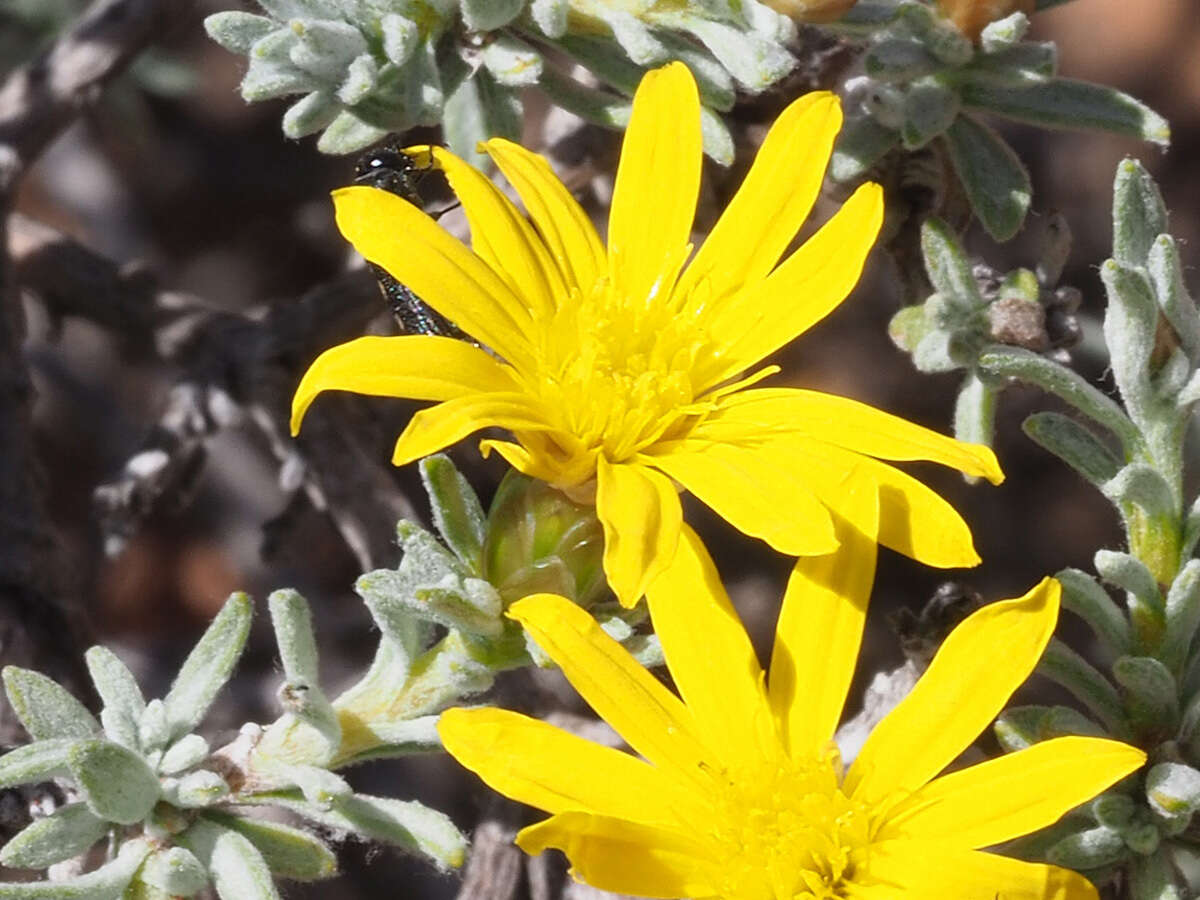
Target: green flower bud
point(538, 540)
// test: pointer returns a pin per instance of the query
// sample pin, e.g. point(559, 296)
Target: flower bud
point(540, 541)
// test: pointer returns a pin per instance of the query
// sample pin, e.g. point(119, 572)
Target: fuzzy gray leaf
point(39, 761)
point(106, 883)
point(68, 832)
point(117, 784)
point(45, 708)
point(237, 869)
point(175, 871)
point(119, 691)
point(1074, 444)
point(238, 31)
point(994, 177)
point(209, 665)
point(457, 512)
point(288, 852)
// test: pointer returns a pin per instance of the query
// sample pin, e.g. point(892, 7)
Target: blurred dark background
point(172, 176)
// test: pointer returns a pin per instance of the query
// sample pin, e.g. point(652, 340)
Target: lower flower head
point(738, 792)
point(619, 370)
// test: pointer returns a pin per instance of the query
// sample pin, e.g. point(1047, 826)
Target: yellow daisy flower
point(740, 793)
point(614, 369)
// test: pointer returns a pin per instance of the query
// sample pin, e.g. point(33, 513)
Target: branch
point(40, 99)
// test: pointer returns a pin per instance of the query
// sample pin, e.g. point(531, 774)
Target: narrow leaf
point(1088, 600)
point(69, 831)
point(119, 691)
point(39, 761)
point(1139, 214)
point(176, 871)
point(117, 784)
point(948, 267)
point(289, 852)
point(209, 665)
point(1074, 444)
point(1062, 103)
point(237, 869)
point(301, 693)
point(106, 883)
point(457, 512)
point(993, 176)
point(45, 708)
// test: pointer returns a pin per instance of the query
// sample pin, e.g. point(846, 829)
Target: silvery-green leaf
point(106, 883)
point(866, 16)
point(400, 823)
point(929, 109)
point(1173, 788)
point(512, 62)
point(550, 16)
point(304, 698)
point(401, 738)
point(1154, 878)
point(39, 761)
point(488, 15)
point(349, 134)
point(1130, 329)
point(1088, 849)
point(1074, 444)
point(1016, 362)
point(975, 411)
point(268, 80)
point(1062, 103)
point(862, 143)
point(362, 76)
point(325, 48)
point(899, 59)
point(1139, 214)
point(175, 871)
point(1166, 277)
point(766, 21)
point(1114, 810)
point(1004, 33)
point(947, 265)
point(1142, 485)
point(400, 37)
point(288, 852)
point(69, 831)
point(1151, 695)
point(479, 109)
point(310, 114)
point(153, 731)
point(994, 177)
point(116, 783)
point(45, 708)
point(1088, 600)
point(209, 665)
point(196, 789)
point(638, 41)
point(600, 107)
point(238, 31)
point(1191, 530)
point(1183, 616)
point(1086, 683)
point(1017, 67)
point(1023, 726)
point(119, 691)
point(753, 60)
point(717, 141)
point(457, 512)
point(1129, 573)
point(237, 869)
point(190, 750)
point(320, 787)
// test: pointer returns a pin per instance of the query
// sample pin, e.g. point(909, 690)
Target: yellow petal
point(641, 515)
point(803, 290)
point(1013, 795)
point(418, 367)
point(432, 429)
point(913, 519)
point(533, 762)
point(972, 676)
point(709, 654)
point(759, 494)
point(772, 203)
point(651, 719)
point(623, 857)
point(927, 870)
point(849, 424)
point(502, 237)
point(820, 629)
point(563, 224)
point(658, 180)
point(390, 232)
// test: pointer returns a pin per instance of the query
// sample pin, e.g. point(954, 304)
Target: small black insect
point(391, 169)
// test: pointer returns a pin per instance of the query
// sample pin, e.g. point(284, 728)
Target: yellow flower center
point(788, 832)
point(620, 370)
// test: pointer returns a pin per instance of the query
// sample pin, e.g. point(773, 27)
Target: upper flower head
point(741, 793)
point(613, 368)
